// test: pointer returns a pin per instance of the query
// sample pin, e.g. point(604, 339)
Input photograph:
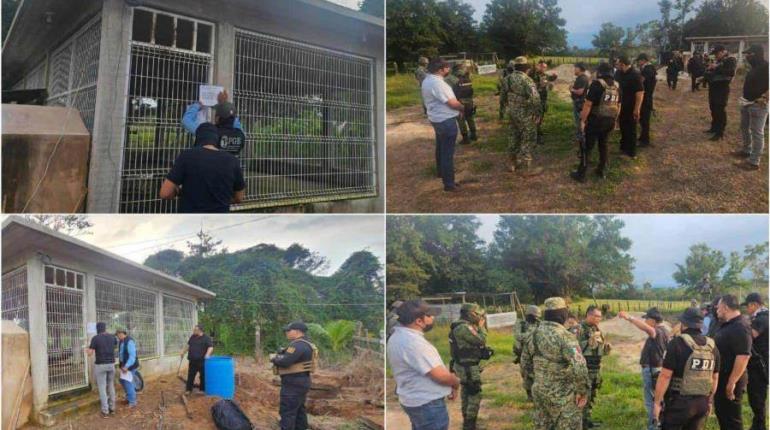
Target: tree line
point(538, 257)
point(536, 27)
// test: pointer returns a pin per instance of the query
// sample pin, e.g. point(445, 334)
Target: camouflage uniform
point(460, 82)
point(522, 332)
point(523, 112)
point(560, 373)
point(467, 341)
point(542, 81)
point(594, 347)
point(501, 93)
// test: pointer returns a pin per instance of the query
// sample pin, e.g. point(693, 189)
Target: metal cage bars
point(15, 297)
point(66, 338)
point(122, 306)
point(178, 317)
point(308, 116)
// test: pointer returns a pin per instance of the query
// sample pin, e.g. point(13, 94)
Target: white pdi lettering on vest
point(227, 141)
point(702, 365)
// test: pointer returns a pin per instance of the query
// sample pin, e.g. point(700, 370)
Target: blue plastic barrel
point(220, 376)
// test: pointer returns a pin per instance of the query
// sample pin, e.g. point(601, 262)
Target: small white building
point(735, 45)
point(57, 287)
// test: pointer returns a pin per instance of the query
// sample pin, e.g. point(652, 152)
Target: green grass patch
point(402, 89)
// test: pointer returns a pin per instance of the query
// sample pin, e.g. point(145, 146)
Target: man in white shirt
point(443, 109)
point(422, 380)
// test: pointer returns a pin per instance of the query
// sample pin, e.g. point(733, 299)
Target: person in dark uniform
point(733, 338)
point(673, 67)
point(706, 63)
point(757, 368)
point(650, 75)
point(695, 68)
point(631, 98)
point(597, 120)
point(689, 377)
point(199, 347)
point(295, 363)
point(719, 74)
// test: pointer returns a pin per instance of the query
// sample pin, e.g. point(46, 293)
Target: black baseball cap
point(296, 325)
point(412, 310)
point(653, 314)
point(224, 110)
point(691, 318)
point(642, 57)
point(753, 298)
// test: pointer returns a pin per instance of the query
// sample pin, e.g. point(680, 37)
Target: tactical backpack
point(608, 105)
point(231, 140)
point(698, 369)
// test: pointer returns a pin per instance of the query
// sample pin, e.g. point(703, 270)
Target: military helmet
point(533, 310)
point(471, 312)
point(520, 60)
point(423, 61)
point(555, 303)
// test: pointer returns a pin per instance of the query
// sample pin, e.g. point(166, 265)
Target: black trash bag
point(229, 416)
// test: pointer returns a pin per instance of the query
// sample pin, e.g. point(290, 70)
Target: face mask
point(427, 328)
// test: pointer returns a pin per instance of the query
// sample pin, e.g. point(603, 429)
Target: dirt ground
point(355, 391)
point(683, 172)
point(626, 340)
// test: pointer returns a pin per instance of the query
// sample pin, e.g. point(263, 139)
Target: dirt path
point(683, 172)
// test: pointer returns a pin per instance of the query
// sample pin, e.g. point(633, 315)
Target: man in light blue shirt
point(422, 380)
point(443, 107)
point(705, 310)
point(128, 363)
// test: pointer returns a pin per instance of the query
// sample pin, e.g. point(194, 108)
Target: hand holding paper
point(209, 94)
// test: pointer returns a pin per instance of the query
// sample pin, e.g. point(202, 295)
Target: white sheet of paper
point(91, 328)
point(128, 376)
point(208, 94)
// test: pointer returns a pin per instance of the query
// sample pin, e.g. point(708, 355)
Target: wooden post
point(257, 342)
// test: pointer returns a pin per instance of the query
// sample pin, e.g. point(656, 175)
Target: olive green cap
point(533, 310)
point(554, 303)
point(520, 60)
point(471, 307)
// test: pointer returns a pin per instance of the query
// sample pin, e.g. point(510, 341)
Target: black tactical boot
point(473, 136)
point(579, 174)
point(469, 424)
point(465, 140)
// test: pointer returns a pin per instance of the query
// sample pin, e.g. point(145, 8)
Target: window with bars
point(122, 306)
point(178, 317)
point(73, 71)
point(66, 329)
point(14, 297)
point(308, 116)
point(170, 59)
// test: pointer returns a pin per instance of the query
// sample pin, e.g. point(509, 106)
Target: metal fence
point(72, 73)
point(178, 317)
point(308, 117)
point(15, 300)
point(133, 309)
point(66, 331)
point(165, 75)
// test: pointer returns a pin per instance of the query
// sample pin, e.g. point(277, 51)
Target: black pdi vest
point(124, 355)
point(231, 139)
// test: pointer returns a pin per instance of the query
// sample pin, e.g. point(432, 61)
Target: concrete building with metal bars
point(306, 77)
point(57, 287)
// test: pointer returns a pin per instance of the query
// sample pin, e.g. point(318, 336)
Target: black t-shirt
point(733, 338)
point(677, 353)
point(208, 178)
point(104, 346)
point(580, 82)
point(630, 83)
point(594, 95)
point(198, 347)
point(652, 352)
point(649, 76)
point(756, 82)
point(760, 323)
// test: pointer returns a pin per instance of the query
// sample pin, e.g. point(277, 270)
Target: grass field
point(402, 89)
point(619, 405)
point(630, 305)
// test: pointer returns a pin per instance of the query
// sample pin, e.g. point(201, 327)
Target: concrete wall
point(151, 367)
point(17, 383)
point(287, 19)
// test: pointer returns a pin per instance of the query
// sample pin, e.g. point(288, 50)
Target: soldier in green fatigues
point(468, 346)
point(594, 347)
point(421, 71)
point(561, 385)
point(522, 332)
point(502, 93)
point(460, 81)
point(524, 111)
point(544, 82)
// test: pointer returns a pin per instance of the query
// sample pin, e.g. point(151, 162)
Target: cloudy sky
point(335, 237)
point(661, 241)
